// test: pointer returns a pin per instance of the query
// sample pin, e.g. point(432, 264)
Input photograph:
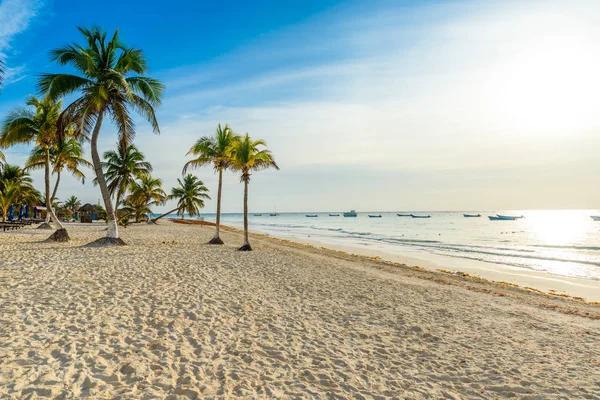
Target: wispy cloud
point(15, 17)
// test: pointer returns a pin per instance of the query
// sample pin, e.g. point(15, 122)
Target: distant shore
point(170, 315)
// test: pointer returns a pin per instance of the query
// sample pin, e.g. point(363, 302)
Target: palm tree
point(145, 193)
point(41, 126)
point(247, 156)
point(16, 187)
point(190, 197)
point(122, 168)
point(65, 154)
point(111, 82)
point(2, 158)
point(72, 203)
point(214, 150)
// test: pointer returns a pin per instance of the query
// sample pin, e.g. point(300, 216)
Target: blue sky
point(379, 105)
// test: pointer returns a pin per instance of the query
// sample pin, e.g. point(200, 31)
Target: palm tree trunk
point(112, 235)
point(165, 214)
point(55, 187)
point(49, 210)
point(217, 239)
point(246, 246)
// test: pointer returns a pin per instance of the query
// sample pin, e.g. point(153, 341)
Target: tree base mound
point(216, 240)
point(245, 247)
point(107, 242)
point(45, 226)
point(60, 235)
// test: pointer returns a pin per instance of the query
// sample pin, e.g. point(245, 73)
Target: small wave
point(550, 246)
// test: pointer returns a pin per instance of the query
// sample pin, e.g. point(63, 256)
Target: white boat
point(503, 218)
point(509, 217)
point(472, 215)
point(595, 217)
point(420, 216)
point(350, 214)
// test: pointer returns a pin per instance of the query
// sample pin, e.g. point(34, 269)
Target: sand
point(170, 317)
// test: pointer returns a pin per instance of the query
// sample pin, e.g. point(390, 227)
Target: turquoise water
point(565, 243)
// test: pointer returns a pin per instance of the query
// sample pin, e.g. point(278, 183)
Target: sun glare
point(549, 88)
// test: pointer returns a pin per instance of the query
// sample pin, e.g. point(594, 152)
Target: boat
point(509, 217)
point(595, 217)
point(257, 215)
point(273, 214)
point(334, 215)
point(420, 216)
point(472, 215)
point(350, 214)
point(375, 216)
point(311, 215)
point(403, 215)
point(502, 218)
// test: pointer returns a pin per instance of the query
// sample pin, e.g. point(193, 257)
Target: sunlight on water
point(558, 227)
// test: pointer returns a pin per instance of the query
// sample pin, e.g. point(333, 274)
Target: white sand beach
point(170, 317)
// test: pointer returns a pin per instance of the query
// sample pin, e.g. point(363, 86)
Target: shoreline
point(530, 281)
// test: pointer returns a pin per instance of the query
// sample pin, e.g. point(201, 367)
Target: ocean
point(562, 243)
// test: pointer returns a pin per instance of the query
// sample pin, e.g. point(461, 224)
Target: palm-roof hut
point(87, 213)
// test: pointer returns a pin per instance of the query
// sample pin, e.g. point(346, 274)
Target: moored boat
point(503, 218)
point(472, 215)
point(334, 215)
point(350, 214)
point(273, 214)
point(375, 216)
point(595, 217)
point(509, 217)
point(311, 215)
point(403, 215)
point(257, 215)
point(420, 216)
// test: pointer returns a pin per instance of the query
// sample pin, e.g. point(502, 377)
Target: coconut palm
point(15, 188)
point(65, 154)
point(72, 203)
point(111, 82)
point(213, 150)
point(145, 193)
point(2, 158)
point(40, 126)
point(122, 168)
point(249, 155)
point(190, 197)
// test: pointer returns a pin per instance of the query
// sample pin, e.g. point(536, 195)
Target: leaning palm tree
point(40, 126)
point(66, 154)
point(1, 73)
point(111, 82)
point(122, 168)
point(214, 150)
point(247, 156)
point(2, 158)
point(190, 197)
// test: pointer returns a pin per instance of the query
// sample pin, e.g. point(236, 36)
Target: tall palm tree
point(249, 155)
point(1, 73)
point(72, 203)
point(122, 168)
point(111, 83)
point(145, 193)
point(65, 154)
point(214, 150)
point(40, 126)
point(190, 197)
